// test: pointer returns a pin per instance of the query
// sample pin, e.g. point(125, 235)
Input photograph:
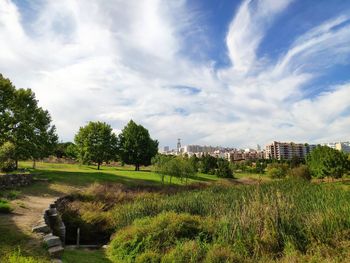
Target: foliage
point(178, 167)
point(24, 123)
point(224, 169)
point(208, 164)
point(158, 234)
point(5, 207)
point(324, 161)
point(66, 150)
point(96, 142)
point(136, 146)
point(241, 223)
point(7, 157)
point(277, 170)
point(71, 151)
point(17, 257)
point(300, 172)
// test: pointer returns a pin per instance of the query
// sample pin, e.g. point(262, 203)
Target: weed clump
point(5, 207)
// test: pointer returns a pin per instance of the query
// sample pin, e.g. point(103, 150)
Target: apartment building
point(287, 150)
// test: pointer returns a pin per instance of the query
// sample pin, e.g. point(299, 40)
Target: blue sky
point(230, 73)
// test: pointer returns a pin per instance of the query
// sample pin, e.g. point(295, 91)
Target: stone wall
point(15, 180)
point(53, 230)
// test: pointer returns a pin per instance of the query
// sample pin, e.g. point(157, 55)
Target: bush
point(186, 252)
point(277, 170)
point(223, 169)
point(301, 172)
point(158, 234)
point(5, 207)
point(7, 152)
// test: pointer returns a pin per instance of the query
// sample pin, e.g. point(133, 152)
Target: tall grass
point(255, 222)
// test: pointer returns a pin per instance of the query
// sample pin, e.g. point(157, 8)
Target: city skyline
point(210, 72)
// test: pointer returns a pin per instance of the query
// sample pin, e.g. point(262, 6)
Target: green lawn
point(83, 175)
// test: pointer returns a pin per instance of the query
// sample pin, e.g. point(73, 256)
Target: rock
point(42, 228)
point(56, 251)
point(52, 241)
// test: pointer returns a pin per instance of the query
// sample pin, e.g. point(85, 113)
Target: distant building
point(340, 146)
point(166, 149)
point(287, 150)
point(343, 146)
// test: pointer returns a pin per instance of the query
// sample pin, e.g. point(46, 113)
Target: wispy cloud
point(117, 60)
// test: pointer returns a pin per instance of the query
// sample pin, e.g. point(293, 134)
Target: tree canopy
point(96, 143)
point(136, 146)
point(324, 161)
point(23, 123)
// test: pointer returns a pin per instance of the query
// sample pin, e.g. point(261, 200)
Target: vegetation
point(7, 157)
point(24, 124)
point(97, 143)
point(5, 207)
point(179, 167)
point(136, 146)
point(300, 172)
point(277, 170)
point(277, 220)
point(324, 161)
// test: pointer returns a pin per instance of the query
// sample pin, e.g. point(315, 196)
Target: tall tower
point(178, 147)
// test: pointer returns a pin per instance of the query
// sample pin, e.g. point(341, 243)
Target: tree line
point(27, 133)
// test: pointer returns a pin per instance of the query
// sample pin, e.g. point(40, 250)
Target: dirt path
point(29, 211)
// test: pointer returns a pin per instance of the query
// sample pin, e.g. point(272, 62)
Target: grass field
point(225, 221)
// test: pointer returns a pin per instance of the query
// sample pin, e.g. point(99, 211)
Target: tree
point(178, 167)
point(96, 143)
point(24, 123)
point(136, 146)
point(324, 161)
point(224, 169)
point(208, 164)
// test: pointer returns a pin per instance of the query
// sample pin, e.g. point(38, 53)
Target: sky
point(213, 72)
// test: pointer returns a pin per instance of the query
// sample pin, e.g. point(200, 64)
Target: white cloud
point(117, 60)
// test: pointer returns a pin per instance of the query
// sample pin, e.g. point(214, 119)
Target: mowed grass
point(83, 175)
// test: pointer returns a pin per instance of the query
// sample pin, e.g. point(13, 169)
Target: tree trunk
point(16, 164)
point(137, 167)
point(98, 165)
point(34, 164)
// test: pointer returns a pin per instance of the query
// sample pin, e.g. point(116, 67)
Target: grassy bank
point(283, 221)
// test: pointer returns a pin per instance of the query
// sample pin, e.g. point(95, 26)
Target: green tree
point(178, 167)
point(96, 143)
point(324, 161)
point(24, 123)
point(223, 169)
point(136, 146)
point(208, 164)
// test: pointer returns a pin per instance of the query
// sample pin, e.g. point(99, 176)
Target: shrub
point(5, 207)
point(301, 172)
point(148, 257)
point(223, 169)
point(186, 252)
point(7, 152)
point(157, 234)
point(277, 170)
